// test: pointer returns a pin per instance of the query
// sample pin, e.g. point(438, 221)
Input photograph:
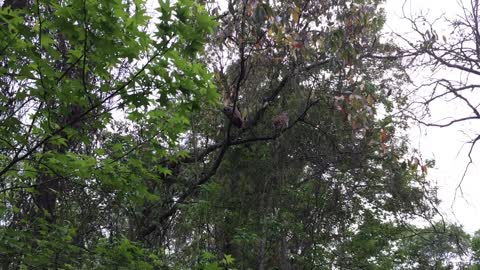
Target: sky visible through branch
point(460, 198)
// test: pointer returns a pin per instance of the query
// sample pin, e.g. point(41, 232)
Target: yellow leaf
point(384, 136)
point(296, 14)
point(290, 39)
point(270, 33)
point(370, 100)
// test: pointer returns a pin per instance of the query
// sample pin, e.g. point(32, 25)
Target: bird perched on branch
point(280, 122)
point(234, 115)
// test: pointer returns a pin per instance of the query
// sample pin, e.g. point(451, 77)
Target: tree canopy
point(211, 135)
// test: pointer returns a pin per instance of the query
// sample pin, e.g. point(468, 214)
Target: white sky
point(445, 145)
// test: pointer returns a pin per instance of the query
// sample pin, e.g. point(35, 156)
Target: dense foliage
point(210, 135)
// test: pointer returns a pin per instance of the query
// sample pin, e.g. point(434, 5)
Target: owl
point(234, 115)
point(280, 122)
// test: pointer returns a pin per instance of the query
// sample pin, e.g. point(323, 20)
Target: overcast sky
point(445, 145)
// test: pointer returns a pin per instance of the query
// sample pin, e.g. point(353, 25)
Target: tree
point(291, 199)
point(440, 246)
point(475, 245)
point(115, 151)
point(69, 173)
point(452, 57)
